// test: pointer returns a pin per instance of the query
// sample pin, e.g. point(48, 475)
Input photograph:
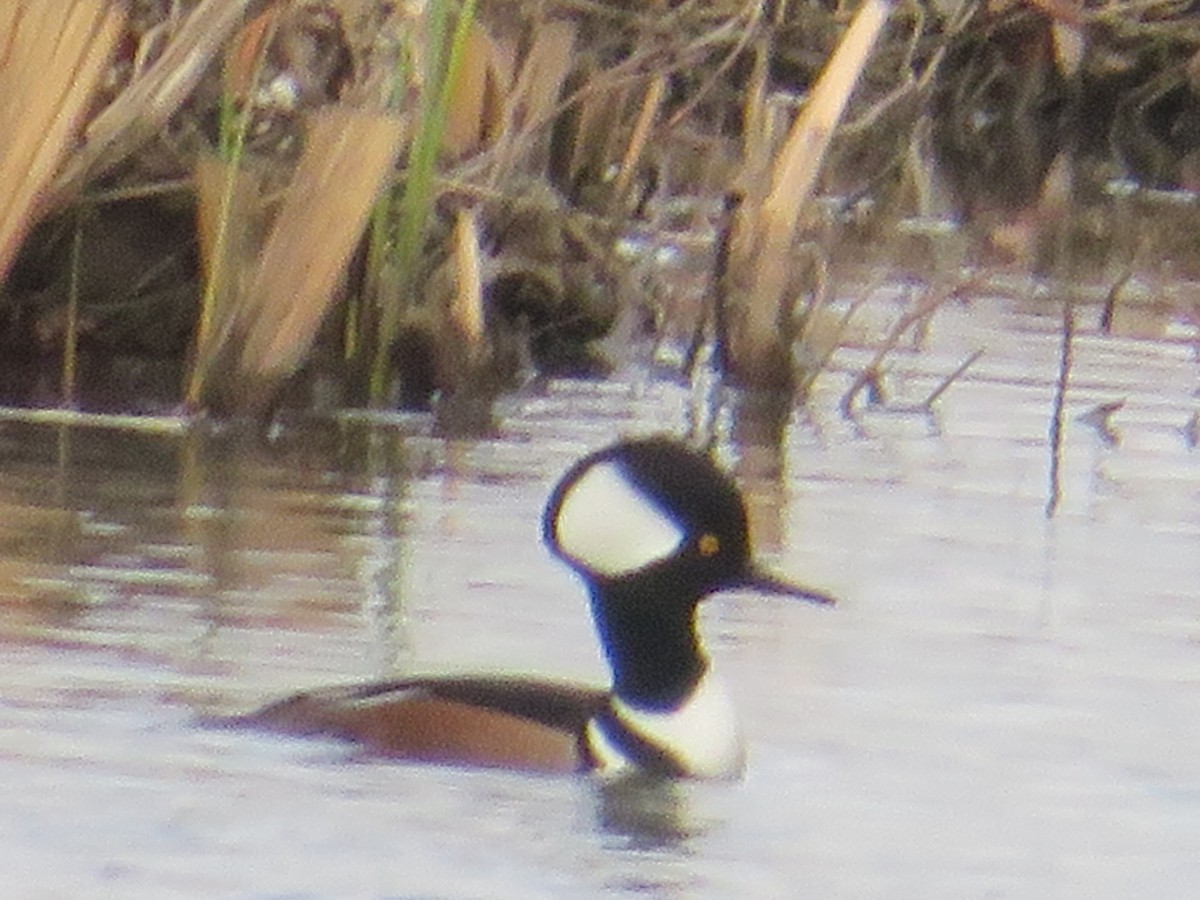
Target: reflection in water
point(327, 504)
point(651, 813)
point(153, 541)
point(1004, 706)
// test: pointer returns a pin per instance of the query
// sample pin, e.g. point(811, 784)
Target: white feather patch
point(605, 524)
point(608, 756)
point(702, 735)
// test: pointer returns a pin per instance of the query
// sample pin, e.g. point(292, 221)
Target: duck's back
point(514, 723)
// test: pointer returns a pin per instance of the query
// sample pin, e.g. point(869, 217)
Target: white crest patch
point(607, 525)
point(702, 735)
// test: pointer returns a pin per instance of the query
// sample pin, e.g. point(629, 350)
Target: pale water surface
point(1003, 706)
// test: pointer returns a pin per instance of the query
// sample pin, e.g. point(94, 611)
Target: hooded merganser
point(653, 528)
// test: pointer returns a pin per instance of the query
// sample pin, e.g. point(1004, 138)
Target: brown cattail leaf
point(52, 55)
point(1069, 46)
point(231, 225)
point(1069, 12)
point(348, 154)
point(143, 108)
point(595, 140)
point(758, 132)
point(535, 96)
point(477, 99)
point(466, 304)
point(761, 266)
point(651, 104)
point(242, 61)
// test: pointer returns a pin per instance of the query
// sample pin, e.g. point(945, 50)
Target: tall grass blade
point(416, 202)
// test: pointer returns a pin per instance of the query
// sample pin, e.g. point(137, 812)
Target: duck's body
point(513, 723)
point(652, 528)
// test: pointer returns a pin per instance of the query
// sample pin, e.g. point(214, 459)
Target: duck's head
point(654, 510)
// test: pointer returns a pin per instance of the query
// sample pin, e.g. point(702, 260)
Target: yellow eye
point(709, 545)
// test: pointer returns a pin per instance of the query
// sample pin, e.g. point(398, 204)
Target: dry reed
point(634, 151)
point(466, 305)
point(54, 53)
point(231, 223)
point(348, 154)
point(143, 108)
point(533, 99)
point(475, 109)
point(762, 245)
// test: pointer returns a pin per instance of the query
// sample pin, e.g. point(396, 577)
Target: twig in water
point(1100, 418)
point(869, 376)
point(1060, 399)
point(1191, 431)
point(1110, 301)
point(950, 379)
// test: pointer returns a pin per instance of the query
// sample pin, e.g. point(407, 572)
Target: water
point(1003, 705)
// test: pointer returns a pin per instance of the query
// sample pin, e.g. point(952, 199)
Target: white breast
point(702, 735)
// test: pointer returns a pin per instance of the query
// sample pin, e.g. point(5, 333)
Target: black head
point(653, 509)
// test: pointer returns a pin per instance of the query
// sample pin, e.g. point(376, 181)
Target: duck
point(653, 528)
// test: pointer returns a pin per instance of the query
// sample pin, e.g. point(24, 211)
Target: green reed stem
point(71, 336)
point(233, 127)
point(415, 206)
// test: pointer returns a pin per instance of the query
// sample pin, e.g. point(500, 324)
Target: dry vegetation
point(425, 200)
